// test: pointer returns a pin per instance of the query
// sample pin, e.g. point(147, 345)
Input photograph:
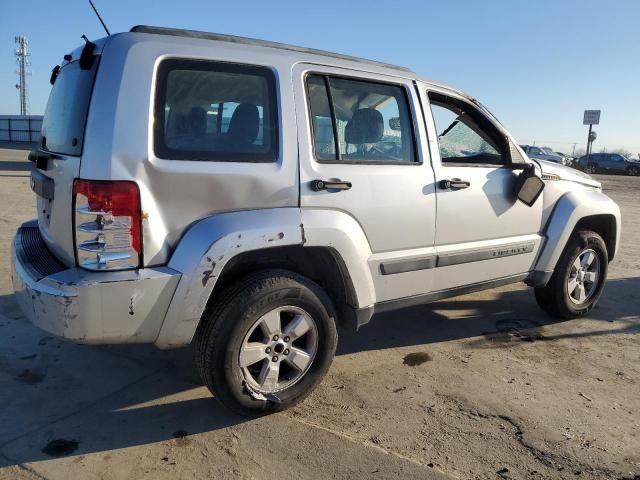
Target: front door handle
point(317, 185)
point(454, 184)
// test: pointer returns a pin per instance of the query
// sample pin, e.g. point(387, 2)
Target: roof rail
point(178, 32)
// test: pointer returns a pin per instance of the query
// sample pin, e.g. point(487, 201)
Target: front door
point(482, 231)
point(362, 158)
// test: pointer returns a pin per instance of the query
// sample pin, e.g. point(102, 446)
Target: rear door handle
point(317, 185)
point(454, 184)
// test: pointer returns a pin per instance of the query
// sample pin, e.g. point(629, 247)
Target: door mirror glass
point(528, 186)
point(394, 124)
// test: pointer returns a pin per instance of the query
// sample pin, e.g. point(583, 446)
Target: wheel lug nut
point(286, 352)
point(275, 358)
point(275, 337)
point(268, 350)
point(286, 339)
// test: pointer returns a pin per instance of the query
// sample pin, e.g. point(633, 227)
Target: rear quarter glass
point(65, 117)
point(195, 111)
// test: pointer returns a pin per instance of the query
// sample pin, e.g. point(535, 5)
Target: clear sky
point(535, 64)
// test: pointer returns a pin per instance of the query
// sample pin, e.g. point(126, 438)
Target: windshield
point(66, 113)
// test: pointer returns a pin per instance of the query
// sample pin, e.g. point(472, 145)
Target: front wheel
point(577, 281)
point(266, 342)
point(591, 168)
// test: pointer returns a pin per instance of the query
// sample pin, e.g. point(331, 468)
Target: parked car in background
point(543, 153)
point(569, 160)
point(609, 162)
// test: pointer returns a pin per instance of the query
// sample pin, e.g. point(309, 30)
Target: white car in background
point(543, 153)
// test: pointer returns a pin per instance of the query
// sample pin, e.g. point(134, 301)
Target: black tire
point(227, 321)
point(591, 168)
point(633, 171)
point(554, 298)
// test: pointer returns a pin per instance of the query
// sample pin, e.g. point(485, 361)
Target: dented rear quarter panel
point(177, 193)
point(206, 248)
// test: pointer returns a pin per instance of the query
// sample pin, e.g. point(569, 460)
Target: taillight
point(107, 224)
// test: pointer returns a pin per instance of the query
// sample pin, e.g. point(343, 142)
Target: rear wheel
point(633, 171)
point(577, 282)
point(267, 342)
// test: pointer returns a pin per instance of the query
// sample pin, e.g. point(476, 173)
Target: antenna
point(24, 64)
point(99, 17)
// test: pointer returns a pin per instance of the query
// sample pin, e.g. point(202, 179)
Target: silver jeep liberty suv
point(246, 196)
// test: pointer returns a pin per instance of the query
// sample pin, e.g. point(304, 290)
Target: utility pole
point(24, 70)
point(573, 153)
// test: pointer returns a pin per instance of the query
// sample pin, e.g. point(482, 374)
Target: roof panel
point(177, 32)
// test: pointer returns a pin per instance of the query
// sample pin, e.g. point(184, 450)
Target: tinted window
point(66, 113)
point(465, 135)
point(360, 121)
point(215, 111)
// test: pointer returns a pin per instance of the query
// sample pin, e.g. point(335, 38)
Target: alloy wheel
point(278, 349)
point(584, 276)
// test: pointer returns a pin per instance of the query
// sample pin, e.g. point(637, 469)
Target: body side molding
point(455, 258)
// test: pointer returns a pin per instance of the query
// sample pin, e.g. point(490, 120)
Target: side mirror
point(394, 123)
point(528, 185)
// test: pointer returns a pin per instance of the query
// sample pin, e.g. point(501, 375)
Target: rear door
point(615, 162)
point(62, 141)
point(361, 129)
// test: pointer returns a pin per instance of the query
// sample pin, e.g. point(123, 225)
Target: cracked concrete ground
point(480, 386)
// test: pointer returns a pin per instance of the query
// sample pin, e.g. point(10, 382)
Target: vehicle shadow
point(171, 401)
point(15, 166)
point(495, 321)
point(5, 144)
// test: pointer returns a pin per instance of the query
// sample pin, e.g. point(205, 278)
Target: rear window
point(66, 114)
point(215, 111)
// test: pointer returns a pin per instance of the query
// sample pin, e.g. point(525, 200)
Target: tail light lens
point(107, 224)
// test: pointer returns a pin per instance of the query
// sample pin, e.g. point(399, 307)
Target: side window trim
point(503, 147)
point(332, 112)
point(338, 160)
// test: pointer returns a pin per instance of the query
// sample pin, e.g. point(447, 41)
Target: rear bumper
point(88, 307)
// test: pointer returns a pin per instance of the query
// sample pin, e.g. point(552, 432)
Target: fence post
point(9, 124)
point(29, 119)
